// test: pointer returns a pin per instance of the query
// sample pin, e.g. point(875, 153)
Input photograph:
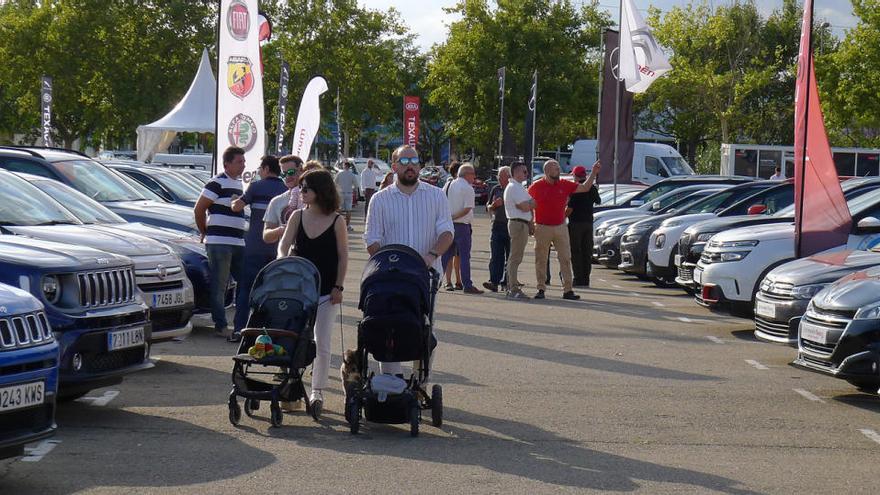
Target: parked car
point(187, 247)
point(97, 182)
point(786, 291)
point(481, 191)
point(654, 191)
point(839, 334)
point(92, 305)
point(735, 261)
point(434, 175)
point(639, 237)
point(168, 184)
point(158, 271)
point(625, 192)
point(29, 377)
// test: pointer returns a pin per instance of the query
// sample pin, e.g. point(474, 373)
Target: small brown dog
point(350, 370)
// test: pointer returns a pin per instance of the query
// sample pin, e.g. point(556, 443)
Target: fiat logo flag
point(240, 109)
point(411, 106)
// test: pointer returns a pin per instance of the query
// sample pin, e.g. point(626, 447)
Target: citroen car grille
point(106, 288)
point(835, 322)
point(685, 273)
point(775, 328)
point(24, 331)
point(777, 290)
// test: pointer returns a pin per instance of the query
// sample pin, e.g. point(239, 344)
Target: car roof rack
point(58, 148)
point(23, 150)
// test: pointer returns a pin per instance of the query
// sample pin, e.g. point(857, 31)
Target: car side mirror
point(655, 206)
point(757, 209)
point(869, 224)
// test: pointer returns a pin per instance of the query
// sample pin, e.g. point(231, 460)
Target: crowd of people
point(301, 209)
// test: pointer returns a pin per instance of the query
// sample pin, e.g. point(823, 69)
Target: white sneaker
point(316, 395)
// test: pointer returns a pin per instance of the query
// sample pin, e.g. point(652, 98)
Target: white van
point(652, 162)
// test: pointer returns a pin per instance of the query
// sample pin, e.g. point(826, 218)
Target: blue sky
point(427, 19)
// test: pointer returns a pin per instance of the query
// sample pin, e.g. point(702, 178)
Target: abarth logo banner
point(239, 76)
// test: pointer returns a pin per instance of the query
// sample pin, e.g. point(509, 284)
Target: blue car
point(92, 304)
point(28, 372)
point(166, 183)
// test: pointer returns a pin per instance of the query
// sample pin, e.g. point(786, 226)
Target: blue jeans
point(499, 243)
point(224, 261)
point(253, 263)
point(462, 241)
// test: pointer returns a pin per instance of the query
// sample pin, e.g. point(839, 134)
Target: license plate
point(677, 260)
point(21, 396)
point(765, 309)
point(123, 339)
point(698, 276)
point(813, 332)
point(166, 299)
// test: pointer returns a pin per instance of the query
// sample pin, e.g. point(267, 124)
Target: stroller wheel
point(353, 414)
point(234, 412)
point(437, 405)
point(276, 417)
point(251, 405)
point(414, 413)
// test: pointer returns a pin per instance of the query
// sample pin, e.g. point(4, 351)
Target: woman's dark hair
point(326, 195)
point(271, 162)
point(453, 169)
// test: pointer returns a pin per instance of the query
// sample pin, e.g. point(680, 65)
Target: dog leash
point(341, 331)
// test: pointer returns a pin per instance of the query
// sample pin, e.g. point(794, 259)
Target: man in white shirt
point(460, 195)
point(346, 182)
point(283, 205)
point(412, 213)
point(518, 205)
point(778, 175)
point(369, 178)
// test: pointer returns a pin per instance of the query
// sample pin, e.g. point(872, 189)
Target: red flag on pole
point(822, 219)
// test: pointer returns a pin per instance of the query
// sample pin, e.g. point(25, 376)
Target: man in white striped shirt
point(223, 231)
point(412, 213)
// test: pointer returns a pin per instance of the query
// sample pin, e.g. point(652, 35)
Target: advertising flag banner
point(240, 113)
point(531, 115)
point(282, 107)
point(641, 60)
point(46, 109)
point(308, 120)
point(822, 218)
point(411, 106)
point(626, 130)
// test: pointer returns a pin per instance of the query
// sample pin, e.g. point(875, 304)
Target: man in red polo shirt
point(551, 197)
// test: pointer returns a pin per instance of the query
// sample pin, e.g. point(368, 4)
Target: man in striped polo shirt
point(222, 231)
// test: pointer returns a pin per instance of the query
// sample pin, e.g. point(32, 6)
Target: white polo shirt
point(369, 176)
point(514, 194)
point(460, 195)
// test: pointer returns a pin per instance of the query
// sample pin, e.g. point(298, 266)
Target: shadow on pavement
point(864, 401)
point(159, 386)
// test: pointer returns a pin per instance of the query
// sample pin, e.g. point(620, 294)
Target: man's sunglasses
point(408, 161)
point(290, 173)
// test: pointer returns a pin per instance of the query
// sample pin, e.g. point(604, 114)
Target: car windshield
point(710, 204)
point(25, 205)
point(87, 210)
point(659, 190)
point(179, 186)
point(684, 202)
point(97, 181)
point(144, 191)
point(857, 200)
point(677, 165)
point(607, 197)
point(189, 179)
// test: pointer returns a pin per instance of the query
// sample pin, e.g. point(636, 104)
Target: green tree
point(556, 38)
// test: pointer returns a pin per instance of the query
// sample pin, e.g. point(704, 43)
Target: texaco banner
point(240, 119)
point(46, 109)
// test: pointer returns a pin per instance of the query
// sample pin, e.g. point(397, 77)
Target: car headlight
point(659, 241)
point(51, 289)
point(600, 232)
point(641, 227)
point(705, 236)
point(734, 256)
point(737, 244)
point(672, 223)
point(612, 231)
point(871, 312)
point(807, 291)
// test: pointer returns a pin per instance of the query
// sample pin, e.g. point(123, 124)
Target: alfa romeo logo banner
point(240, 113)
point(46, 109)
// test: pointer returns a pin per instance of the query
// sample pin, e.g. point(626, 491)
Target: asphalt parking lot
point(633, 388)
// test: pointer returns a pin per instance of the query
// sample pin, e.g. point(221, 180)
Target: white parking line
point(873, 435)
point(756, 365)
point(807, 395)
point(36, 453)
point(658, 304)
point(685, 319)
point(616, 286)
point(100, 401)
point(715, 339)
point(602, 280)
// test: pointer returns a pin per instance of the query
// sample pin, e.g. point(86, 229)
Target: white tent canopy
point(196, 112)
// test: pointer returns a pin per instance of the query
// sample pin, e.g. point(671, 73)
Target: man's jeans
point(500, 246)
point(462, 241)
point(253, 263)
point(224, 260)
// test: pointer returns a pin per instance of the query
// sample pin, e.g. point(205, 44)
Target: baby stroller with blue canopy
point(398, 293)
point(283, 304)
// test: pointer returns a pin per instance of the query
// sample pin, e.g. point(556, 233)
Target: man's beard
point(407, 182)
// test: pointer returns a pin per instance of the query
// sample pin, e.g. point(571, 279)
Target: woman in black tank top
point(316, 233)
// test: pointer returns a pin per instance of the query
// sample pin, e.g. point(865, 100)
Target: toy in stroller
point(397, 299)
point(283, 306)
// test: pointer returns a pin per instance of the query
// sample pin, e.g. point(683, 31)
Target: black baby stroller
point(397, 300)
point(283, 304)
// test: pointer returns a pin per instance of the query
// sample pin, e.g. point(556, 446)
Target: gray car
point(786, 291)
point(839, 334)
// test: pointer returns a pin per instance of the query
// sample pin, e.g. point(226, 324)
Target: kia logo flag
point(411, 120)
point(308, 120)
point(240, 112)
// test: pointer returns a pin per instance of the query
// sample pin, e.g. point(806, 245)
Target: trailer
point(761, 161)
